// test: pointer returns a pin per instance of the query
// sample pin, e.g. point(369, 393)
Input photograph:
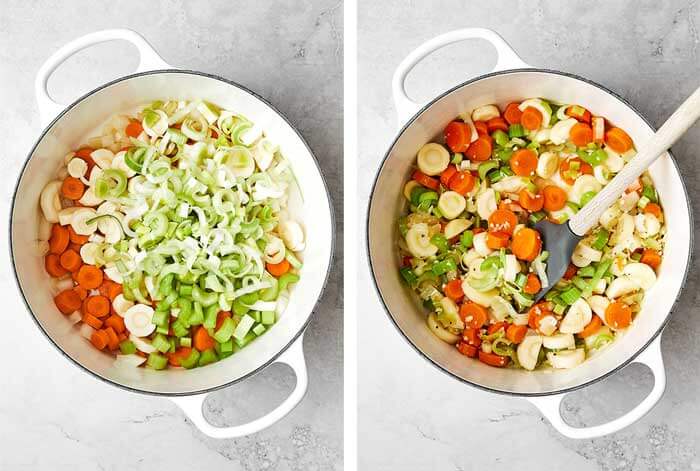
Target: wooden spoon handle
point(674, 127)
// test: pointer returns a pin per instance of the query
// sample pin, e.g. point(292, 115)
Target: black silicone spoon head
point(560, 241)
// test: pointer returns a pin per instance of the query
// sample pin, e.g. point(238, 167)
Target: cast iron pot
point(514, 80)
point(68, 127)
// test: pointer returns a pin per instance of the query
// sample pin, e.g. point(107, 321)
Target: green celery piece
point(268, 317)
point(157, 361)
point(191, 360)
point(225, 331)
point(197, 316)
point(207, 357)
point(259, 329)
point(243, 327)
point(127, 347)
point(161, 343)
point(210, 314)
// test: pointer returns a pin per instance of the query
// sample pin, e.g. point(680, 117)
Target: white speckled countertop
point(412, 416)
point(55, 417)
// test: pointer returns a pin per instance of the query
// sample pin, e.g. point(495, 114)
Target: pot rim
point(328, 200)
point(424, 108)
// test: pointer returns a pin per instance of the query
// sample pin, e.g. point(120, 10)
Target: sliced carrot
point(53, 266)
point(112, 338)
point(495, 327)
point(581, 134)
point(425, 180)
point(618, 315)
point(72, 188)
point(653, 208)
point(178, 355)
point(570, 272)
point(99, 339)
point(58, 242)
point(462, 182)
point(278, 269)
point(82, 292)
point(503, 220)
point(497, 240)
point(471, 336)
point(618, 140)
point(447, 174)
point(516, 333)
point(98, 305)
point(457, 136)
point(533, 284)
point(110, 289)
point(527, 244)
point(579, 113)
point(473, 315)
point(92, 321)
point(482, 129)
point(492, 359)
point(651, 257)
point(467, 350)
point(133, 129)
point(571, 169)
point(202, 340)
point(89, 277)
point(480, 149)
point(67, 301)
point(531, 118)
point(512, 113)
point(523, 162)
point(591, 328)
point(116, 323)
point(70, 260)
point(497, 124)
point(529, 201)
point(453, 290)
point(76, 238)
point(554, 198)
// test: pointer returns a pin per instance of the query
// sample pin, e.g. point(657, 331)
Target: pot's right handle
point(148, 60)
point(507, 59)
point(294, 357)
point(550, 406)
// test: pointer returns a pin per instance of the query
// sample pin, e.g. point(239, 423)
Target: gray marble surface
point(55, 417)
point(413, 417)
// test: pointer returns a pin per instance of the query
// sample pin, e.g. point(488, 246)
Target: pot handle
point(549, 406)
point(507, 59)
point(149, 60)
point(192, 405)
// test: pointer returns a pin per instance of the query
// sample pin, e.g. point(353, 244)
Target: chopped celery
point(225, 331)
point(467, 239)
point(570, 295)
point(127, 347)
point(161, 343)
point(157, 361)
point(243, 327)
point(191, 360)
point(259, 329)
point(268, 317)
point(185, 342)
point(210, 316)
point(207, 357)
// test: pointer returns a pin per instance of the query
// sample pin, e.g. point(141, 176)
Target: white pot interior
point(387, 204)
point(312, 210)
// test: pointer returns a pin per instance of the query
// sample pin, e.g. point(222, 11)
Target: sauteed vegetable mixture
point(469, 251)
point(170, 244)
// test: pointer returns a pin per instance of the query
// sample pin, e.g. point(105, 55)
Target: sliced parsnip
point(486, 112)
point(529, 350)
point(77, 168)
point(418, 241)
point(486, 203)
point(480, 244)
point(511, 184)
point(485, 298)
point(456, 227)
point(566, 359)
point(512, 268)
point(89, 198)
point(451, 204)
point(121, 305)
point(577, 317)
point(559, 341)
point(138, 320)
point(614, 162)
point(143, 345)
point(647, 225)
point(50, 202)
point(599, 304)
point(79, 221)
point(88, 252)
point(560, 131)
point(442, 333)
point(621, 286)
point(103, 158)
point(547, 164)
point(640, 273)
point(433, 159)
point(292, 234)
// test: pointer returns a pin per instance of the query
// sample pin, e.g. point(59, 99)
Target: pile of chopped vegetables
point(170, 243)
point(469, 250)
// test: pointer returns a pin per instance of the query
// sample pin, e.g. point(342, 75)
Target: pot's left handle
point(550, 406)
point(507, 58)
point(294, 357)
point(149, 60)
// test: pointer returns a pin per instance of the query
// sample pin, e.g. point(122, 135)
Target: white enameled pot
point(513, 80)
point(69, 126)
